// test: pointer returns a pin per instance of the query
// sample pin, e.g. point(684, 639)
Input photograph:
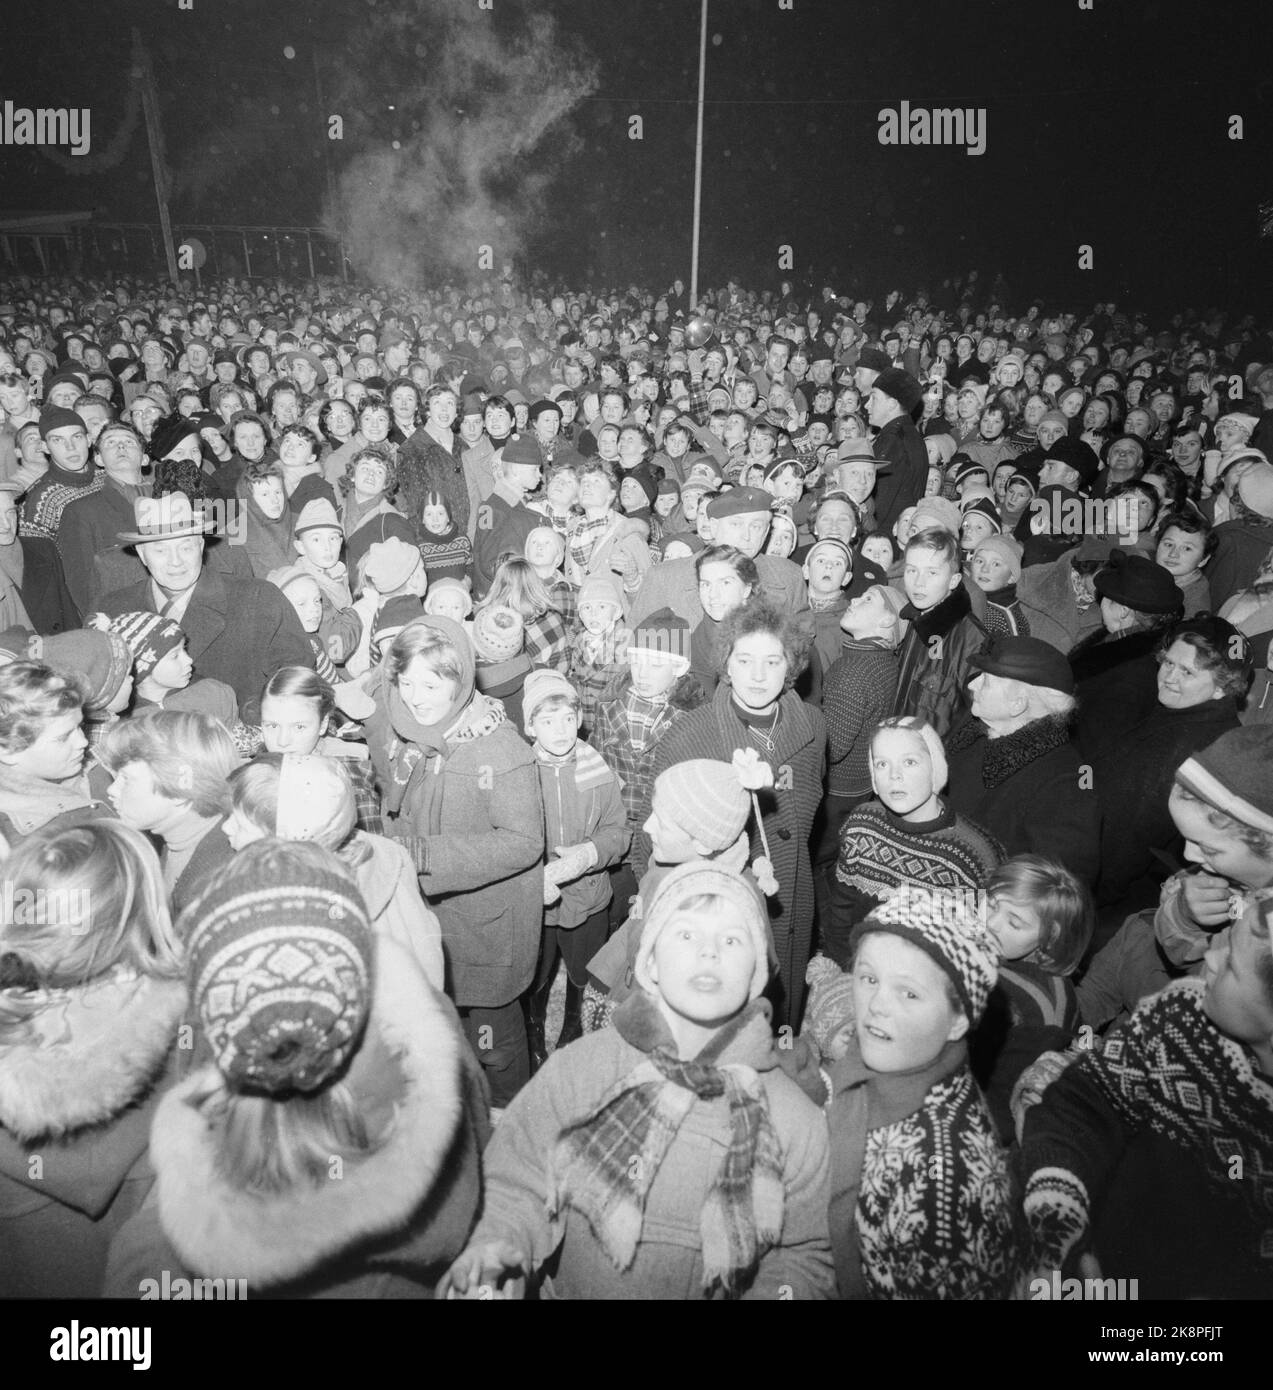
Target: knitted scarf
point(864, 1100)
point(593, 1168)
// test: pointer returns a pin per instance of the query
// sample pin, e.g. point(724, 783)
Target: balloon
point(699, 331)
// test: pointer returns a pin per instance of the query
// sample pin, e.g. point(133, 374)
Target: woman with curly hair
point(763, 650)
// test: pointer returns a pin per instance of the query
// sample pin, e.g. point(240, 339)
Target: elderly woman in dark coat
point(1014, 769)
point(1115, 670)
point(763, 650)
point(461, 787)
point(1204, 668)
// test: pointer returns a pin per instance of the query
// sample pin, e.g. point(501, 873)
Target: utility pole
point(698, 159)
point(155, 137)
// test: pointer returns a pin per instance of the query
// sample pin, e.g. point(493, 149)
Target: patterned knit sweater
point(935, 1209)
point(1159, 1145)
point(881, 852)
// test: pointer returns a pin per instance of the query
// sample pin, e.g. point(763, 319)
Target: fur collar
point(222, 1231)
point(89, 1054)
point(939, 620)
point(1008, 755)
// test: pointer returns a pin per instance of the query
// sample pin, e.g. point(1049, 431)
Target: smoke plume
point(470, 127)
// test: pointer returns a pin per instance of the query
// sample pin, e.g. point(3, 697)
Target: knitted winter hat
point(279, 960)
point(1007, 549)
point(832, 544)
point(943, 925)
point(983, 506)
point(287, 574)
point(57, 417)
point(543, 685)
point(149, 637)
point(663, 631)
point(967, 468)
point(522, 448)
point(390, 564)
point(932, 741)
point(705, 799)
point(690, 880)
point(1233, 775)
point(98, 661)
point(830, 1003)
point(601, 588)
point(391, 619)
point(1255, 488)
point(444, 585)
point(935, 511)
point(498, 632)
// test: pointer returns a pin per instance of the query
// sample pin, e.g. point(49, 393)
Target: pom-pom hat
point(279, 960)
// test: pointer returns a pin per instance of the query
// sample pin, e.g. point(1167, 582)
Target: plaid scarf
point(594, 1171)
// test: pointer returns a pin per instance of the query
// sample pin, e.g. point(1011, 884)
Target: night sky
point(1107, 127)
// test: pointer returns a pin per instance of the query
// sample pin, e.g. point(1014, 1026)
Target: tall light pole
point(698, 158)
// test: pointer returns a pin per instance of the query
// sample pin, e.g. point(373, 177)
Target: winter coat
point(1133, 781)
point(78, 1090)
point(668, 1264)
point(424, 466)
point(1116, 682)
point(239, 631)
point(1156, 1146)
point(902, 473)
point(94, 560)
point(921, 1201)
point(788, 809)
point(615, 739)
point(28, 802)
point(1046, 596)
point(1028, 789)
point(1240, 550)
point(673, 585)
point(398, 1216)
point(933, 658)
point(475, 810)
point(387, 881)
point(582, 803)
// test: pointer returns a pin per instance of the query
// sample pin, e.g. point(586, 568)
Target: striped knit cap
point(950, 929)
point(150, 638)
point(705, 799)
point(279, 961)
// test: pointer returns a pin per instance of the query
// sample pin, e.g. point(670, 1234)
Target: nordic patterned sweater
point(881, 852)
point(935, 1208)
point(1158, 1144)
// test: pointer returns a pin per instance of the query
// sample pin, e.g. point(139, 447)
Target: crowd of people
point(863, 707)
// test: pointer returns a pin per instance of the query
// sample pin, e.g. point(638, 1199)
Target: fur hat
point(901, 386)
point(279, 959)
point(704, 798)
point(943, 925)
point(690, 880)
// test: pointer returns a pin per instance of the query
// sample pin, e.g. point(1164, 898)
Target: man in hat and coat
point(238, 630)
